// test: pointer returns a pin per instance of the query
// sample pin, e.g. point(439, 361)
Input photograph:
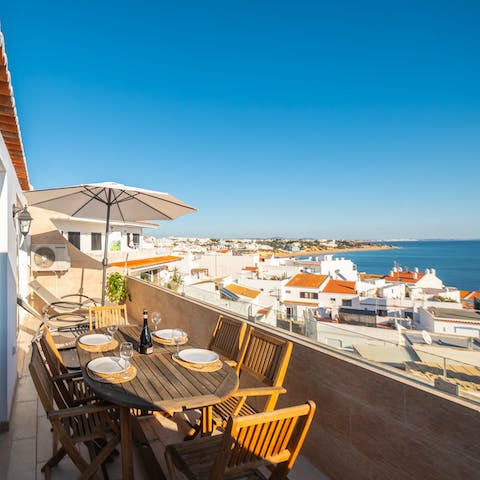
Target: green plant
point(176, 281)
point(116, 288)
point(115, 246)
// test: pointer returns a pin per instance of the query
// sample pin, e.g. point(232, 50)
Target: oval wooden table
point(161, 384)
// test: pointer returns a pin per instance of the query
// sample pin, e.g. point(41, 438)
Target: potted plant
point(176, 281)
point(116, 288)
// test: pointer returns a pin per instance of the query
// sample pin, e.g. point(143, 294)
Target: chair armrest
point(76, 411)
point(231, 363)
point(258, 391)
point(67, 376)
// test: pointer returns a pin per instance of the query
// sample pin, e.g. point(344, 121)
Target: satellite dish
point(44, 257)
point(426, 337)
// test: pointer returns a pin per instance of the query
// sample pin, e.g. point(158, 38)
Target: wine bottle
point(146, 345)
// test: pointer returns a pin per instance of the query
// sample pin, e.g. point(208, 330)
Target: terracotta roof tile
point(307, 280)
point(243, 291)
point(295, 302)
point(145, 262)
point(9, 124)
point(472, 295)
point(407, 277)
point(340, 286)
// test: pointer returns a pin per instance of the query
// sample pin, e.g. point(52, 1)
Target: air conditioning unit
point(50, 258)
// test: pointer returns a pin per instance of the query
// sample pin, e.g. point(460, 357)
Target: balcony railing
point(455, 376)
point(373, 420)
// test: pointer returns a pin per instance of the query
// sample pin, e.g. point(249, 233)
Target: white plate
point(198, 355)
point(95, 339)
point(166, 334)
point(107, 365)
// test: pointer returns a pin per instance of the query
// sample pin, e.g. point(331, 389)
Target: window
point(96, 241)
point(74, 239)
point(332, 300)
point(133, 240)
point(313, 295)
point(346, 303)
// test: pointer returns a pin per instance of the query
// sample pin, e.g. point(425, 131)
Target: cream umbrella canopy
point(109, 201)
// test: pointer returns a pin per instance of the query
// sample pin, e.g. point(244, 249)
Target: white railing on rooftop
point(393, 352)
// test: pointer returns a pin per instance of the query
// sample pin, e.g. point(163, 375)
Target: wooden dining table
point(161, 384)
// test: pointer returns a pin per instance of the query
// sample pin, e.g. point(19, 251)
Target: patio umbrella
point(109, 202)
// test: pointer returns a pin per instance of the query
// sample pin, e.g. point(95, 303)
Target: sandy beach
point(320, 251)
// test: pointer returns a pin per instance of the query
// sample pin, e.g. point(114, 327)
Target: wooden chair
point(227, 338)
point(71, 390)
point(263, 357)
point(273, 439)
point(103, 316)
point(93, 425)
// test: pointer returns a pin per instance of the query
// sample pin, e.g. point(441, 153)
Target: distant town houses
point(257, 278)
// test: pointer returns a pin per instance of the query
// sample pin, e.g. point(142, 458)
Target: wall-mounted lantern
point(24, 219)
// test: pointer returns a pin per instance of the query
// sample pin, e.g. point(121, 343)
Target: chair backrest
point(50, 352)
point(265, 357)
point(62, 393)
point(269, 438)
point(41, 378)
point(103, 316)
point(227, 337)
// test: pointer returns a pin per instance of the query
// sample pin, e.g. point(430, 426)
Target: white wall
point(425, 320)
point(220, 265)
point(117, 233)
point(430, 280)
point(338, 268)
point(10, 193)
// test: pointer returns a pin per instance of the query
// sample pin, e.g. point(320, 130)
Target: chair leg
point(93, 450)
point(207, 421)
point(172, 475)
point(193, 432)
point(54, 459)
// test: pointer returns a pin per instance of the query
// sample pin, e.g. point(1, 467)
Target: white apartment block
point(89, 235)
point(451, 321)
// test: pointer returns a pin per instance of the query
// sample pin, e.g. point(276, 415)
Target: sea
point(457, 262)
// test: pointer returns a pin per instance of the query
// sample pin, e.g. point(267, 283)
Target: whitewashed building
point(89, 235)
point(14, 246)
point(451, 321)
point(336, 268)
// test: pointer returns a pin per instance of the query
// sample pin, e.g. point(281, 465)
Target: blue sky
point(345, 119)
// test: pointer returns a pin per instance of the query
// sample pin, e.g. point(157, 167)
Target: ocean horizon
point(457, 262)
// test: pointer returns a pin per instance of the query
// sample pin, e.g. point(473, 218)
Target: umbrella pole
point(105, 249)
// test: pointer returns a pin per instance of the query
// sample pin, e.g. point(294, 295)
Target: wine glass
point(126, 353)
point(156, 319)
point(112, 328)
point(178, 335)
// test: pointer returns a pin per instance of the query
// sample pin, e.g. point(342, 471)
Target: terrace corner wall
point(10, 194)
point(369, 424)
